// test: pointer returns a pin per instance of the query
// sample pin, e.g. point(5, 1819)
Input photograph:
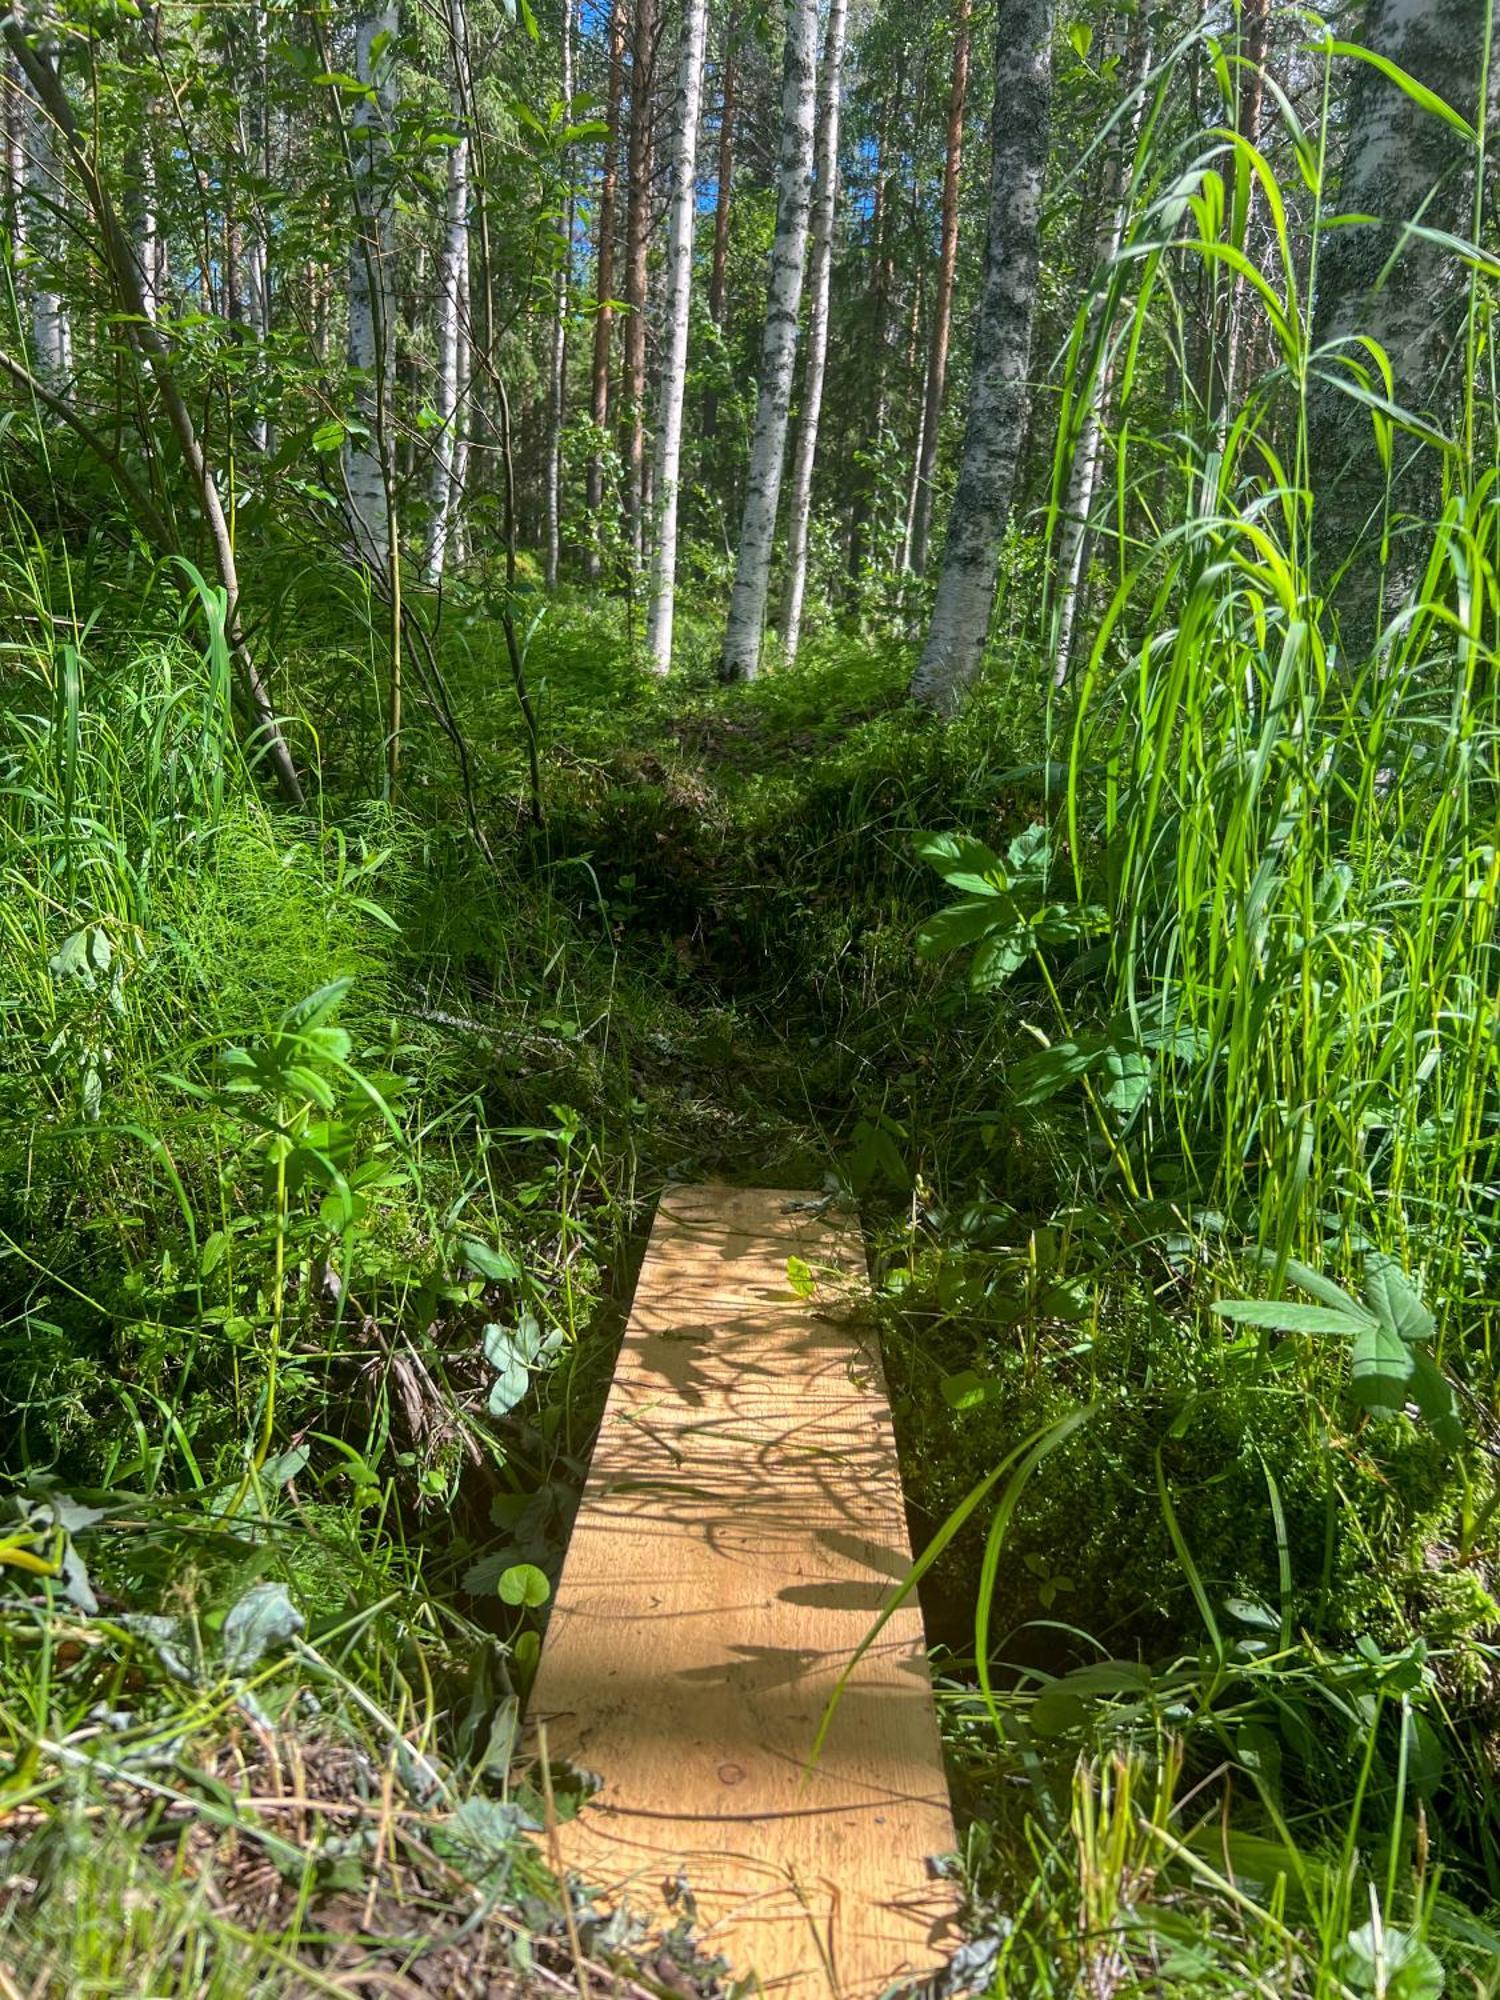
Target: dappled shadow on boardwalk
point(741, 1531)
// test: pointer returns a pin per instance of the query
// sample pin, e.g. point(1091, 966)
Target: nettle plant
point(1388, 1334)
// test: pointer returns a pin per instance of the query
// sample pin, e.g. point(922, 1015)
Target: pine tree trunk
point(1083, 472)
point(452, 312)
point(604, 280)
point(676, 319)
point(372, 317)
point(998, 390)
point(825, 209)
point(942, 306)
point(1405, 292)
point(557, 374)
point(718, 279)
point(752, 575)
point(640, 160)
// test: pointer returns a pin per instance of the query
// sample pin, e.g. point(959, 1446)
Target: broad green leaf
point(1382, 1367)
point(1379, 1959)
point(1433, 1395)
point(1127, 1081)
point(1290, 1316)
point(962, 924)
point(997, 958)
point(1394, 1301)
point(966, 1390)
point(1309, 1280)
point(497, 1265)
point(1038, 1077)
point(1027, 853)
point(964, 862)
point(263, 1619)
point(524, 1584)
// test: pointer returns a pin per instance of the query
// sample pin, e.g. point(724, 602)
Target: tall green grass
point(1297, 844)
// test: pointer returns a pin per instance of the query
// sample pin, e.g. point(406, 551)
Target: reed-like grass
point(1297, 840)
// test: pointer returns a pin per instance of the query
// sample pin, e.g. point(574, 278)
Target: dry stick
point(146, 336)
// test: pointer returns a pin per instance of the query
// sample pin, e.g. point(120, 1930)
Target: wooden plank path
point(741, 1527)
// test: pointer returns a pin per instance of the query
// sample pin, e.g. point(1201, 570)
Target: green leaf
point(966, 1390)
point(1394, 1300)
point(1064, 1703)
point(524, 1584)
point(998, 956)
point(1433, 1395)
point(1039, 1077)
point(497, 1265)
point(1028, 852)
point(329, 435)
point(1127, 1085)
point(1308, 1280)
point(962, 924)
point(1379, 1959)
point(1289, 1316)
point(964, 862)
point(1382, 1367)
point(263, 1619)
point(799, 1275)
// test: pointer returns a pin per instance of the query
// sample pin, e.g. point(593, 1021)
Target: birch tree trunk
point(372, 318)
point(1404, 292)
point(1083, 473)
point(14, 104)
point(604, 279)
point(255, 130)
point(825, 209)
point(677, 317)
point(452, 311)
point(718, 278)
point(1002, 354)
point(557, 374)
point(51, 328)
point(778, 355)
point(639, 162)
point(942, 305)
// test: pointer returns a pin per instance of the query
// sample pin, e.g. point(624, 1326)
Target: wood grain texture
point(741, 1528)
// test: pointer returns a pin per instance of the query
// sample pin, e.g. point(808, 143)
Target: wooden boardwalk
point(741, 1527)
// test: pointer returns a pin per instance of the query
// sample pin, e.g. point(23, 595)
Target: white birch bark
point(558, 371)
point(1083, 473)
point(51, 328)
point(825, 210)
point(752, 575)
point(676, 319)
point(372, 319)
point(449, 460)
point(15, 110)
point(998, 389)
point(255, 143)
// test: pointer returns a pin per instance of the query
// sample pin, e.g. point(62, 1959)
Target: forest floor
point(262, 1723)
